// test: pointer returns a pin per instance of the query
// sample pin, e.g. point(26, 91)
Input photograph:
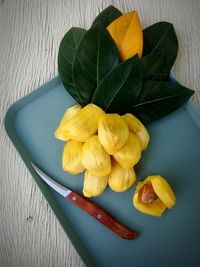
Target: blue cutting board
point(174, 152)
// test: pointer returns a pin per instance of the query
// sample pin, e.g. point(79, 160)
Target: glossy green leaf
point(108, 15)
point(90, 69)
point(120, 88)
point(66, 54)
point(96, 56)
point(159, 51)
point(158, 99)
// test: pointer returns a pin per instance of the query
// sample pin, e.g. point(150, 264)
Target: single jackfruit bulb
point(130, 153)
point(84, 123)
point(135, 126)
point(153, 195)
point(113, 132)
point(120, 179)
point(95, 158)
point(163, 190)
point(69, 113)
point(71, 158)
point(94, 185)
point(126, 32)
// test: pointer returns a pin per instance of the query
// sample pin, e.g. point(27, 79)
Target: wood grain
point(30, 32)
point(102, 216)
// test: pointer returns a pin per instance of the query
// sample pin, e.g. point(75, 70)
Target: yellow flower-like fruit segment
point(135, 126)
point(126, 31)
point(163, 190)
point(165, 196)
point(95, 158)
point(69, 113)
point(93, 185)
point(120, 179)
point(84, 123)
point(130, 153)
point(71, 158)
point(113, 132)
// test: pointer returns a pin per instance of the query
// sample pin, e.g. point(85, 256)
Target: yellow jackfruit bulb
point(84, 123)
point(113, 132)
point(69, 113)
point(126, 32)
point(120, 179)
point(71, 158)
point(153, 196)
point(130, 153)
point(163, 190)
point(94, 185)
point(135, 126)
point(95, 158)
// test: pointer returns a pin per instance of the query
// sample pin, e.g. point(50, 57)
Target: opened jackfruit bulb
point(130, 153)
point(120, 179)
point(84, 123)
point(113, 132)
point(94, 185)
point(60, 133)
point(71, 158)
point(153, 196)
point(95, 158)
point(135, 126)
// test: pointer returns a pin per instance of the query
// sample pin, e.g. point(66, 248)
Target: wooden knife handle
point(102, 216)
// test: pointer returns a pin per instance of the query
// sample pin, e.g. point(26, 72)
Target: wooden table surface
point(30, 32)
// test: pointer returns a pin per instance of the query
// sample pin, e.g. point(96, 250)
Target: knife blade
point(89, 207)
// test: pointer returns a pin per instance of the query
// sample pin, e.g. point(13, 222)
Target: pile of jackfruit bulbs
point(107, 147)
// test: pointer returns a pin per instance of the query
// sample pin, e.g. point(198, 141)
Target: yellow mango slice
point(120, 179)
point(71, 158)
point(165, 196)
point(93, 185)
point(95, 158)
point(69, 113)
point(126, 31)
point(113, 132)
point(84, 124)
point(136, 126)
point(130, 153)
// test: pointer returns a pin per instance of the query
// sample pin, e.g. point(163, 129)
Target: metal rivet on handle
point(99, 216)
point(73, 198)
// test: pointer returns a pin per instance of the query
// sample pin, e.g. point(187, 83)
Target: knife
point(92, 209)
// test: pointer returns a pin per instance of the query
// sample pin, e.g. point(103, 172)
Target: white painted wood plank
point(30, 32)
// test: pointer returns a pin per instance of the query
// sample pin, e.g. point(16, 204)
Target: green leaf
point(107, 15)
point(159, 51)
point(121, 87)
point(66, 54)
point(158, 99)
point(97, 55)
